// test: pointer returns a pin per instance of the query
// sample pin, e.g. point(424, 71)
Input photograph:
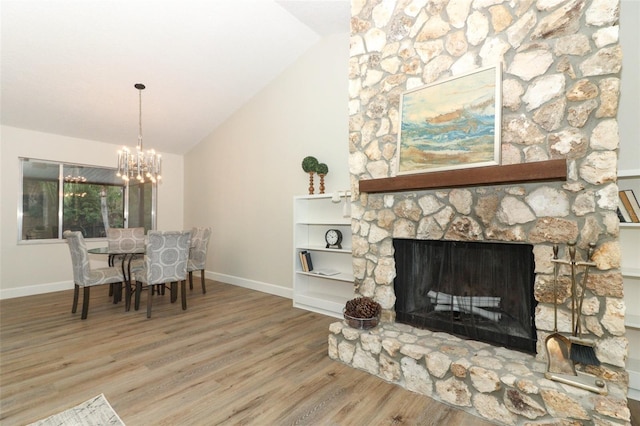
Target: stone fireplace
point(560, 86)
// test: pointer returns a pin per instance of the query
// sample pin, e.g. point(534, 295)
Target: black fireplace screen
point(478, 290)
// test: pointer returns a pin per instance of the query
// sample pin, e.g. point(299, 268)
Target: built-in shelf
point(632, 321)
point(631, 272)
point(329, 285)
point(629, 225)
point(630, 250)
point(322, 248)
point(628, 173)
point(338, 277)
point(542, 171)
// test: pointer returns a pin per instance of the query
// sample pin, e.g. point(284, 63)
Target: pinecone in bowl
point(362, 312)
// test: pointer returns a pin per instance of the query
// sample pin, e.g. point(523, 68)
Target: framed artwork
point(451, 124)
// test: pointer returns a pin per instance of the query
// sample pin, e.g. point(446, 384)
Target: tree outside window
point(58, 197)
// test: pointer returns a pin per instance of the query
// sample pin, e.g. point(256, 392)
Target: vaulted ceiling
point(69, 66)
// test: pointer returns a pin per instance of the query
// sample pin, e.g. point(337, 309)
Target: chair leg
point(174, 291)
point(190, 280)
point(149, 302)
point(111, 286)
point(183, 290)
point(137, 295)
point(127, 296)
point(117, 292)
point(204, 289)
point(76, 290)
point(85, 302)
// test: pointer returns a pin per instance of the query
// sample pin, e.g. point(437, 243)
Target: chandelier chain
point(140, 118)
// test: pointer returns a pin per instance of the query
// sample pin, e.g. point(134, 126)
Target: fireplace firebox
point(477, 290)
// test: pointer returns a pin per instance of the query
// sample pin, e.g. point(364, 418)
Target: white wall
point(39, 267)
point(242, 178)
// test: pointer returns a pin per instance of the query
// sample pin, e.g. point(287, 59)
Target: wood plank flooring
point(236, 356)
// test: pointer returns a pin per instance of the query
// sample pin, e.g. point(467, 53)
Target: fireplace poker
point(571, 246)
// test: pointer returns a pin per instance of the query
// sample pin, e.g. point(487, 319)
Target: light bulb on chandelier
point(141, 165)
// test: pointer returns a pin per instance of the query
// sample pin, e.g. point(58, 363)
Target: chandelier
point(138, 164)
point(75, 179)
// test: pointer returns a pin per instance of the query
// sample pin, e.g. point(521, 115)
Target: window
point(59, 196)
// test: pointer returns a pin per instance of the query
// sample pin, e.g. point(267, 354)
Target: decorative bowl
point(361, 323)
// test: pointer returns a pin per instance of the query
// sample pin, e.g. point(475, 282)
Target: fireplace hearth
point(477, 290)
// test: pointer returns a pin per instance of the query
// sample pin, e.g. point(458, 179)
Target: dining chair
point(198, 254)
point(126, 241)
point(83, 275)
point(165, 261)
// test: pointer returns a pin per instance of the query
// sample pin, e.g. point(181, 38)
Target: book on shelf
point(633, 202)
point(309, 263)
point(303, 266)
point(621, 216)
point(629, 207)
point(305, 261)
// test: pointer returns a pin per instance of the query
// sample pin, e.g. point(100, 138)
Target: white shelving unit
point(630, 249)
point(629, 178)
point(313, 215)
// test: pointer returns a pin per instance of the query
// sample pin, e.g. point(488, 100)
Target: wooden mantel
point(541, 171)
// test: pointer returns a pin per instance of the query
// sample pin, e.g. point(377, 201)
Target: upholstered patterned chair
point(125, 240)
point(165, 261)
point(83, 275)
point(198, 254)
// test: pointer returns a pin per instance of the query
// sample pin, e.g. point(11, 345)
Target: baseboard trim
point(251, 284)
point(10, 293)
point(31, 290)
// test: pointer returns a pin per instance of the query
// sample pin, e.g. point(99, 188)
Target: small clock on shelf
point(333, 238)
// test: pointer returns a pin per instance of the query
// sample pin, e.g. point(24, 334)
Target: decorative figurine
point(309, 165)
point(322, 170)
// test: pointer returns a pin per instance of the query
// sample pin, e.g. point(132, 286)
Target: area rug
point(95, 412)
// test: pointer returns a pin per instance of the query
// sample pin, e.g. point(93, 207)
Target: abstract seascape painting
point(451, 124)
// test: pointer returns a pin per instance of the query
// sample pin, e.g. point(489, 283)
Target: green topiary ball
point(322, 169)
point(309, 164)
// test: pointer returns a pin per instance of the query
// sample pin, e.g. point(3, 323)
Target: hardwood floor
point(236, 356)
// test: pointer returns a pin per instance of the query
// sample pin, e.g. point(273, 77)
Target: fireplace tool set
point(564, 352)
